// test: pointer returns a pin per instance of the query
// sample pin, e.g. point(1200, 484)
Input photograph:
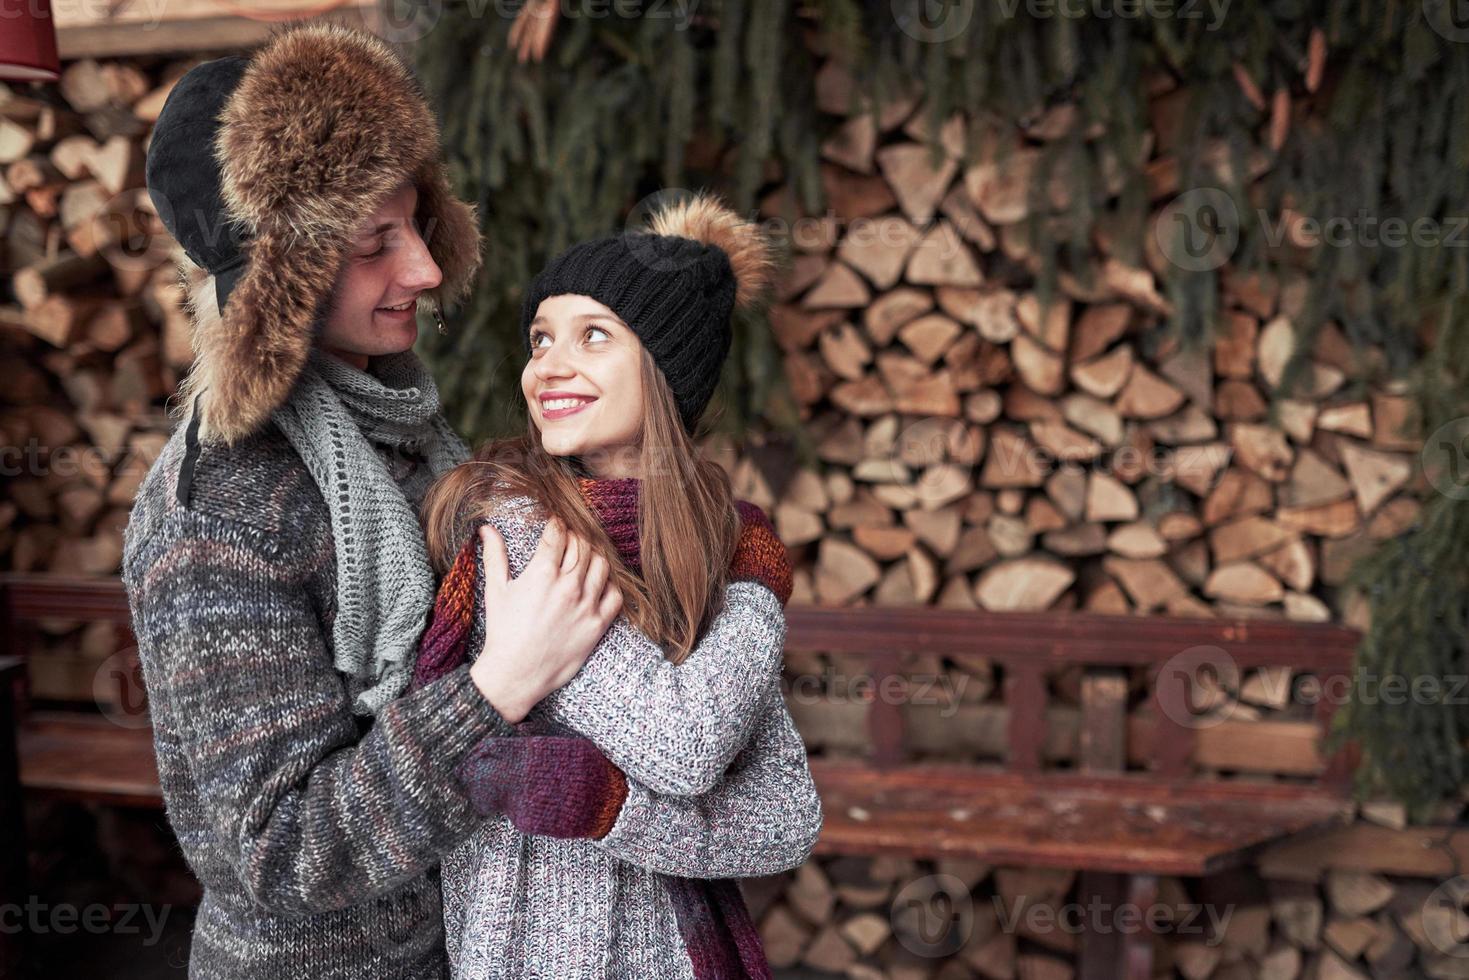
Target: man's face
point(373, 307)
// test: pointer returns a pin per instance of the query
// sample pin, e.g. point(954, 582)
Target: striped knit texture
point(314, 840)
point(718, 789)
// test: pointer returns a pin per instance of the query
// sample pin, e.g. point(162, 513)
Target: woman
point(626, 337)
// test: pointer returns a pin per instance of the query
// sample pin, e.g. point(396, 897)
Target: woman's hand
point(552, 786)
point(541, 626)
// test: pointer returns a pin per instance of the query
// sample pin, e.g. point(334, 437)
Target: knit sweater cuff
point(460, 718)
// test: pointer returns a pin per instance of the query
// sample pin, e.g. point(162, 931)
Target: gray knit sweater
point(718, 787)
point(313, 840)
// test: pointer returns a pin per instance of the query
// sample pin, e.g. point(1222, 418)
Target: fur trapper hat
point(263, 168)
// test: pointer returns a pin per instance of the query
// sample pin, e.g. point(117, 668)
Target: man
point(274, 562)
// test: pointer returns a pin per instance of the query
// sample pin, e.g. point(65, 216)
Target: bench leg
point(13, 871)
point(1108, 953)
point(1101, 945)
point(1142, 893)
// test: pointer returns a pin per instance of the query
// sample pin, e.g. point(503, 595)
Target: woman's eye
point(374, 253)
point(536, 340)
point(598, 330)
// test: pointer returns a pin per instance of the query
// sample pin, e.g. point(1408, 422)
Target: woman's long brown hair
point(688, 525)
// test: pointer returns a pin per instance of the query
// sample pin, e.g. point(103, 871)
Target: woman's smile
point(559, 404)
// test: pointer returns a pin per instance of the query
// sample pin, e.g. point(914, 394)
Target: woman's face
point(388, 267)
point(583, 384)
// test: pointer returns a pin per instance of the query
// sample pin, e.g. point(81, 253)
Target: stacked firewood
point(984, 445)
point(91, 326)
point(1361, 903)
point(980, 444)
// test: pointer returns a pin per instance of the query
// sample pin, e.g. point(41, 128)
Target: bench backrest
point(32, 605)
point(1029, 648)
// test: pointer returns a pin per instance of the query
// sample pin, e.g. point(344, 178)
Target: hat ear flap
point(255, 351)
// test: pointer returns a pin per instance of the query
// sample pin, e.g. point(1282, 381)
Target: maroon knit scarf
point(717, 930)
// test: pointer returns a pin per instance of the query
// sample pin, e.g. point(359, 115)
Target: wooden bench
point(13, 871)
point(97, 756)
point(1120, 828)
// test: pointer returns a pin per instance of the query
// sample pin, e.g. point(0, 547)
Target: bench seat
point(1087, 823)
point(71, 755)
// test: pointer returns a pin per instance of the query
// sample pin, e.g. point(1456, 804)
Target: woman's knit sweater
point(718, 788)
point(313, 839)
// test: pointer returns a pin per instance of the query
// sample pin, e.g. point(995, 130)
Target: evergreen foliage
point(558, 151)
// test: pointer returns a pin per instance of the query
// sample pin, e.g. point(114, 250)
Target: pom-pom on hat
point(675, 283)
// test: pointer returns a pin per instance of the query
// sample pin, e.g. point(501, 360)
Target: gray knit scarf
point(385, 586)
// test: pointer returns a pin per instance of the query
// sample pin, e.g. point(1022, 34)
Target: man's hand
point(540, 627)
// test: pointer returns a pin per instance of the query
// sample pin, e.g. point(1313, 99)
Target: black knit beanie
point(676, 286)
